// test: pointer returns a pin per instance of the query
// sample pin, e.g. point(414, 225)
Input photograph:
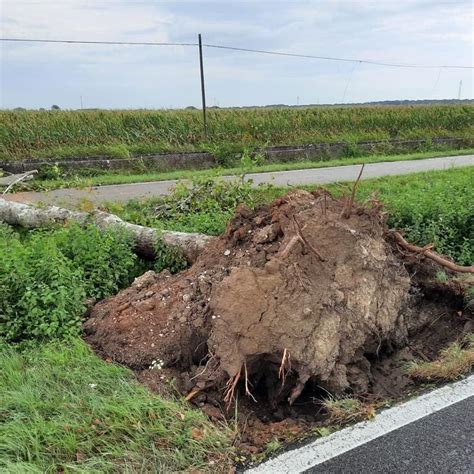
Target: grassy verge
point(65, 410)
point(62, 409)
point(433, 207)
point(88, 178)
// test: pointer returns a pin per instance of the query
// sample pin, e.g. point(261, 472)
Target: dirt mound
point(292, 294)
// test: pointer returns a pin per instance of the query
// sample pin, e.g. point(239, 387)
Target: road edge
point(391, 419)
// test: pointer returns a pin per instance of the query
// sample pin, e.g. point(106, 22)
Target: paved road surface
point(125, 192)
point(433, 433)
point(440, 443)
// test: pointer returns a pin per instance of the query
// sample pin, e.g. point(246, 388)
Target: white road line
point(323, 449)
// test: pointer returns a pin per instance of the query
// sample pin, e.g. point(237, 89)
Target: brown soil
point(293, 302)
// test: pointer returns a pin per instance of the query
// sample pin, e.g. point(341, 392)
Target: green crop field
point(34, 134)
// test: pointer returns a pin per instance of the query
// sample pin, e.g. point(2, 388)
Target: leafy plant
point(50, 172)
point(105, 258)
point(168, 257)
point(249, 160)
point(441, 276)
point(205, 205)
point(41, 292)
point(46, 276)
point(436, 207)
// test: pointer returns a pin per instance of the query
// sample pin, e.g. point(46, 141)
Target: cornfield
point(33, 134)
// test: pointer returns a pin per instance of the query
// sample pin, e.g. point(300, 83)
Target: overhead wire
point(331, 58)
point(247, 50)
point(129, 43)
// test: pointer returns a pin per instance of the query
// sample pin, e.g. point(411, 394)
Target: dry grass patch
point(454, 361)
point(348, 410)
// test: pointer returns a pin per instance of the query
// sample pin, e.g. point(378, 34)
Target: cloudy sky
point(428, 32)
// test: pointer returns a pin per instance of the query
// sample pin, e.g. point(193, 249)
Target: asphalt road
point(440, 443)
point(432, 433)
point(126, 192)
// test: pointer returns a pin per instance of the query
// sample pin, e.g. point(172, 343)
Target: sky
point(424, 32)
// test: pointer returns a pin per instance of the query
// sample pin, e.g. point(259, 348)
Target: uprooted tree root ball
point(307, 291)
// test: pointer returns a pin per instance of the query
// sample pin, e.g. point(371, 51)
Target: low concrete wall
point(177, 161)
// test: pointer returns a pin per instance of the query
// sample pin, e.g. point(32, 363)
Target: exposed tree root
point(296, 392)
point(252, 300)
point(427, 252)
point(247, 390)
point(192, 394)
point(285, 360)
point(346, 212)
point(230, 389)
point(304, 240)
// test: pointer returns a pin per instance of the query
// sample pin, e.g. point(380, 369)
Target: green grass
point(97, 178)
point(36, 134)
point(430, 207)
point(434, 207)
point(62, 409)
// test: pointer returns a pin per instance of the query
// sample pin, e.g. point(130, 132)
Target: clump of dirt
point(293, 298)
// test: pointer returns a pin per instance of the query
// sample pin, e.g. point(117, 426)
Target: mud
point(293, 302)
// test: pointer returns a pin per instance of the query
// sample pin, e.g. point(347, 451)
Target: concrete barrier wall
point(203, 160)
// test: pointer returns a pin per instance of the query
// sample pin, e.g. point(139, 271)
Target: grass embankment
point(37, 134)
point(55, 178)
point(62, 409)
point(435, 207)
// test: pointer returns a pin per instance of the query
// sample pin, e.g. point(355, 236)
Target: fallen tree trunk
point(30, 217)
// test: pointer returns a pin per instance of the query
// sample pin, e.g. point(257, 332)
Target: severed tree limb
point(427, 252)
point(19, 178)
point(145, 238)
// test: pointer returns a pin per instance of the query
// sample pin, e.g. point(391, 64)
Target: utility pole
point(459, 90)
point(81, 103)
point(203, 90)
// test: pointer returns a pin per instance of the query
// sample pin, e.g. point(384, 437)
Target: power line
point(130, 43)
point(330, 58)
point(246, 50)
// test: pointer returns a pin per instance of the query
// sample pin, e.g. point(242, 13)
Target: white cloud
point(407, 31)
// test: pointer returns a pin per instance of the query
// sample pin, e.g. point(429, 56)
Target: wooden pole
point(203, 90)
